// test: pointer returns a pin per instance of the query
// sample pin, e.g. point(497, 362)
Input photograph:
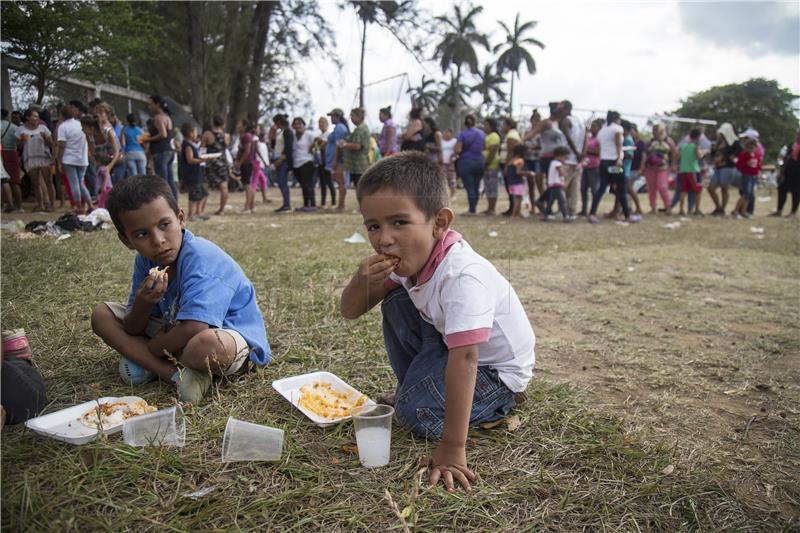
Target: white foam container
point(64, 425)
point(289, 388)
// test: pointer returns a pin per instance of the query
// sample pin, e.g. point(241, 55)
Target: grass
point(665, 397)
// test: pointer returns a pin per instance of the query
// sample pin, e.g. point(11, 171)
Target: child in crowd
point(516, 178)
point(199, 311)
point(555, 183)
point(448, 160)
point(749, 164)
point(690, 169)
point(457, 336)
point(192, 172)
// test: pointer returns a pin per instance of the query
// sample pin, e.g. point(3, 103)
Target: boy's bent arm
point(366, 288)
point(449, 461)
point(176, 339)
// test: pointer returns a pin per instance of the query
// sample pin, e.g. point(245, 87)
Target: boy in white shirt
point(457, 336)
point(556, 179)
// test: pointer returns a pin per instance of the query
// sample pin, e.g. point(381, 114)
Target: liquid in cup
point(373, 426)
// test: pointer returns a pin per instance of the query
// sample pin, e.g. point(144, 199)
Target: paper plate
point(289, 388)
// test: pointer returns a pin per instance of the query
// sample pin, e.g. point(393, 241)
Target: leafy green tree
point(759, 103)
point(457, 47)
point(515, 54)
point(425, 94)
point(489, 86)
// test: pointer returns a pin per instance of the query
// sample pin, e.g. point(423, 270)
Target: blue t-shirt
point(209, 287)
point(339, 132)
point(132, 134)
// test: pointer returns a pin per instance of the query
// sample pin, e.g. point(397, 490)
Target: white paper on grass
point(355, 238)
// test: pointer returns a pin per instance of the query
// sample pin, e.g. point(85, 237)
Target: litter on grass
point(672, 225)
point(756, 229)
point(355, 238)
point(196, 495)
point(492, 234)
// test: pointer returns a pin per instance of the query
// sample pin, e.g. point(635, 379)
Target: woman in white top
point(611, 171)
point(303, 163)
point(448, 160)
point(37, 147)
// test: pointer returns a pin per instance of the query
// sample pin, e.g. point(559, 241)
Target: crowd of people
point(555, 160)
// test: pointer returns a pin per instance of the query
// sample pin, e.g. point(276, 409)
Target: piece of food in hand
point(109, 414)
point(156, 271)
point(321, 399)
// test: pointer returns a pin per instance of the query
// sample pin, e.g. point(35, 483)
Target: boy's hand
point(374, 269)
point(152, 289)
point(448, 463)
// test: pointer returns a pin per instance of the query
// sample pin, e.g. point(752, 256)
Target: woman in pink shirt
point(591, 166)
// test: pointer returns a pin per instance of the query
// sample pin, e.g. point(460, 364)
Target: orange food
point(321, 399)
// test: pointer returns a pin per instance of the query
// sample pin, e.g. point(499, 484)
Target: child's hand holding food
point(374, 270)
point(153, 287)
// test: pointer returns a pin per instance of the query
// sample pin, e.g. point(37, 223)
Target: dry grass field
point(666, 395)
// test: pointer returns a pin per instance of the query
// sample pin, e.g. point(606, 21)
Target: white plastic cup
point(373, 426)
point(166, 427)
point(245, 441)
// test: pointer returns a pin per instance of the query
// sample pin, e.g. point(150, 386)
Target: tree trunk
point(244, 51)
point(262, 18)
point(456, 102)
point(363, 51)
point(40, 85)
point(197, 89)
point(511, 98)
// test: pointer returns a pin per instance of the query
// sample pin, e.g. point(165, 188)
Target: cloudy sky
point(638, 57)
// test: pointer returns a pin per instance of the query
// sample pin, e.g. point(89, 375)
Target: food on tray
point(156, 271)
point(321, 399)
point(212, 155)
point(110, 414)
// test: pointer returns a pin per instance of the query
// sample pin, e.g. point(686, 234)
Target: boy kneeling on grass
point(199, 310)
point(457, 336)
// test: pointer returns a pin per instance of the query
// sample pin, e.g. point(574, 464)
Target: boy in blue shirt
point(197, 309)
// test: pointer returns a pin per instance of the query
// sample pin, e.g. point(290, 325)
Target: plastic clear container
point(166, 427)
point(245, 441)
point(373, 426)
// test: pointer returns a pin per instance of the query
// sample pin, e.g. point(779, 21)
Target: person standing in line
point(282, 162)
point(511, 138)
point(108, 155)
point(37, 145)
point(135, 159)
point(356, 147)
point(192, 173)
point(412, 137)
point(611, 170)
point(532, 143)
point(72, 155)
point(260, 165)
point(575, 134)
point(789, 179)
point(79, 110)
point(160, 140)
point(303, 161)
point(749, 164)
point(660, 157)
point(217, 171)
point(590, 178)
point(723, 156)
point(433, 140)
point(323, 171)
point(550, 137)
point(448, 160)
point(244, 163)
point(470, 163)
point(691, 154)
point(491, 157)
point(387, 141)
point(334, 156)
point(11, 161)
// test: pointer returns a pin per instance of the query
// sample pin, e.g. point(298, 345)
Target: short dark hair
point(80, 105)
point(469, 121)
point(218, 121)
point(132, 193)
point(510, 122)
point(611, 116)
point(519, 150)
point(492, 123)
point(560, 151)
point(161, 102)
point(187, 127)
point(411, 173)
point(695, 133)
point(415, 113)
point(132, 119)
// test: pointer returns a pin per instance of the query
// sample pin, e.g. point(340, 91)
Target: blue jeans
point(91, 179)
point(136, 163)
point(77, 187)
point(470, 171)
point(676, 196)
point(119, 172)
point(747, 187)
point(418, 356)
point(283, 182)
point(161, 166)
point(606, 179)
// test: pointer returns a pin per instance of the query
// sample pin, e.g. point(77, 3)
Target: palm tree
point(457, 47)
point(454, 95)
point(488, 86)
point(425, 95)
point(388, 15)
point(515, 53)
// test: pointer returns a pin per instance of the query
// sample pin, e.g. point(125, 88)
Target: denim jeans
point(588, 183)
point(418, 356)
point(136, 163)
point(606, 179)
point(161, 166)
point(676, 196)
point(283, 182)
point(77, 187)
point(91, 179)
point(747, 187)
point(471, 171)
point(119, 172)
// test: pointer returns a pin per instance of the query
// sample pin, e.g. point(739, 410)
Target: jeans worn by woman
point(77, 187)
point(606, 179)
point(418, 356)
point(283, 182)
point(161, 166)
point(471, 171)
point(136, 163)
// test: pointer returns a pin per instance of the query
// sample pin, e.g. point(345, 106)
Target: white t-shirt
point(35, 149)
point(448, 148)
point(301, 150)
point(75, 147)
point(263, 154)
point(554, 179)
point(577, 132)
point(608, 146)
point(469, 302)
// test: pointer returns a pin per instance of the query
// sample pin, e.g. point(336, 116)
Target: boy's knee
point(207, 348)
point(101, 314)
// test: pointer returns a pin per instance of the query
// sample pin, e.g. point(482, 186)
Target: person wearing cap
point(334, 157)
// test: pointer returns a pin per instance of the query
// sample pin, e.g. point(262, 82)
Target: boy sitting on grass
point(457, 337)
point(199, 310)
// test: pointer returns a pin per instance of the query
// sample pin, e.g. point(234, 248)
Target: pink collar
point(440, 250)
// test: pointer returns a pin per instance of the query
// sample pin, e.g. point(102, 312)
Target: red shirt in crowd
point(749, 163)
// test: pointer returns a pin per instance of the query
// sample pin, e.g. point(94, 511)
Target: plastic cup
point(166, 427)
point(245, 441)
point(373, 426)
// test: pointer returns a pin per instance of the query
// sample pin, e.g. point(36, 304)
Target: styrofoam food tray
point(289, 388)
point(64, 425)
